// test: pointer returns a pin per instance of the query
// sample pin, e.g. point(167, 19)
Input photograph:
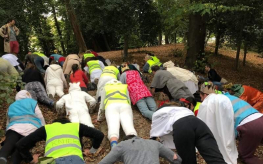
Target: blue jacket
point(23, 112)
point(241, 109)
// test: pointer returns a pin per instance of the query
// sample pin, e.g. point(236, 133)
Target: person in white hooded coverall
point(76, 106)
point(54, 80)
point(116, 104)
point(217, 112)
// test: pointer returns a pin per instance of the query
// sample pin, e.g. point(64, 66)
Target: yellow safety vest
point(151, 63)
point(218, 92)
point(156, 60)
point(197, 106)
point(93, 65)
point(116, 93)
point(62, 140)
point(110, 71)
point(39, 54)
point(88, 55)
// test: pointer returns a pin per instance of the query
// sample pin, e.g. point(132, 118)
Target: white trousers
point(103, 80)
point(55, 89)
point(95, 75)
point(80, 115)
point(116, 114)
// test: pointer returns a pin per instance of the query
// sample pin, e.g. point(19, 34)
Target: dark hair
point(74, 67)
point(155, 68)
point(191, 100)
point(62, 120)
point(128, 137)
point(150, 54)
point(10, 20)
point(208, 65)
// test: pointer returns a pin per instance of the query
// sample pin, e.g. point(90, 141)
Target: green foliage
point(200, 63)
point(176, 52)
point(8, 85)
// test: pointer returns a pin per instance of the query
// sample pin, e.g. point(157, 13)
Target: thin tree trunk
point(106, 42)
point(75, 25)
point(58, 29)
point(160, 38)
point(125, 47)
point(218, 37)
point(166, 38)
point(175, 38)
point(208, 37)
point(237, 54)
point(245, 54)
point(195, 40)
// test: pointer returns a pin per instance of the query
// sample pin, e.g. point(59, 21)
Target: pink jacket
point(136, 87)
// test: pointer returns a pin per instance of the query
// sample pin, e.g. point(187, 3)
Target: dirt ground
point(251, 74)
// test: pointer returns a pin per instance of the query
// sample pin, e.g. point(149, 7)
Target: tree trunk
point(195, 40)
point(175, 38)
point(58, 29)
point(106, 43)
point(125, 47)
point(238, 53)
point(245, 54)
point(218, 37)
point(160, 38)
point(208, 37)
point(75, 25)
point(166, 38)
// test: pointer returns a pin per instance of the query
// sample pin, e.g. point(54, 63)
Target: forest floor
point(251, 74)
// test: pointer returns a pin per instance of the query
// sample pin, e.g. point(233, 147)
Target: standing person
point(139, 93)
point(248, 129)
point(67, 66)
point(94, 69)
point(213, 76)
point(115, 103)
point(55, 80)
point(166, 82)
point(79, 76)
point(135, 150)
point(38, 61)
point(76, 106)
point(35, 85)
point(19, 66)
point(178, 128)
point(217, 112)
point(62, 142)
point(9, 32)
point(23, 118)
point(108, 73)
point(249, 94)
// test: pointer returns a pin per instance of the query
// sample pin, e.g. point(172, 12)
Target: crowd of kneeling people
point(194, 114)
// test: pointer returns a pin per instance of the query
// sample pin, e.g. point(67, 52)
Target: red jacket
point(79, 76)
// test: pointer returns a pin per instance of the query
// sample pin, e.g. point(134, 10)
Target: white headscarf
point(22, 95)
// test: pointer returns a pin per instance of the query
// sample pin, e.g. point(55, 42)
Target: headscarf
point(23, 94)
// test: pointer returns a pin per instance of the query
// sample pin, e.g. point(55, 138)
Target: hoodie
point(54, 75)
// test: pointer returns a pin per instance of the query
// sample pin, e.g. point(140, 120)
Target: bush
point(176, 52)
point(201, 62)
point(8, 85)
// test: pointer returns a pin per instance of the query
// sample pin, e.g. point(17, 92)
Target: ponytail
point(75, 67)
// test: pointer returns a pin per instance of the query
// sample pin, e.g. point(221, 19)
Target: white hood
point(55, 67)
point(74, 87)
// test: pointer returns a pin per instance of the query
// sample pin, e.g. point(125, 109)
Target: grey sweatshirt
point(140, 151)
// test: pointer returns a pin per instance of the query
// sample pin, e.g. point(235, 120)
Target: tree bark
point(75, 25)
point(160, 38)
point(175, 37)
point(237, 54)
point(106, 43)
point(245, 54)
point(125, 47)
point(195, 40)
point(58, 29)
point(207, 38)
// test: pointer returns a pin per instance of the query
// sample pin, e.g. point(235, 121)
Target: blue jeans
point(147, 107)
point(70, 159)
point(39, 62)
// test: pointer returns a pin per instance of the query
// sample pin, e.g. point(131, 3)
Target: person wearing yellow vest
point(150, 61)
point(37, 60)
point(115, 103)
point(191, 104)
point(108, 73)
point(94, 68)
point(46, 59)
point(63, 142)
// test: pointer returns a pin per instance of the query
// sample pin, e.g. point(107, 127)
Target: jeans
point(8, 148)
point(70, 159)
point(39, 62)
point(147, 107)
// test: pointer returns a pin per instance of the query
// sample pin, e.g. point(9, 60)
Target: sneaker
point(3, 160)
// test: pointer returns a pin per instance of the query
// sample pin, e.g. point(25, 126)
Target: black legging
point(190, 132)
point(8, 148)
